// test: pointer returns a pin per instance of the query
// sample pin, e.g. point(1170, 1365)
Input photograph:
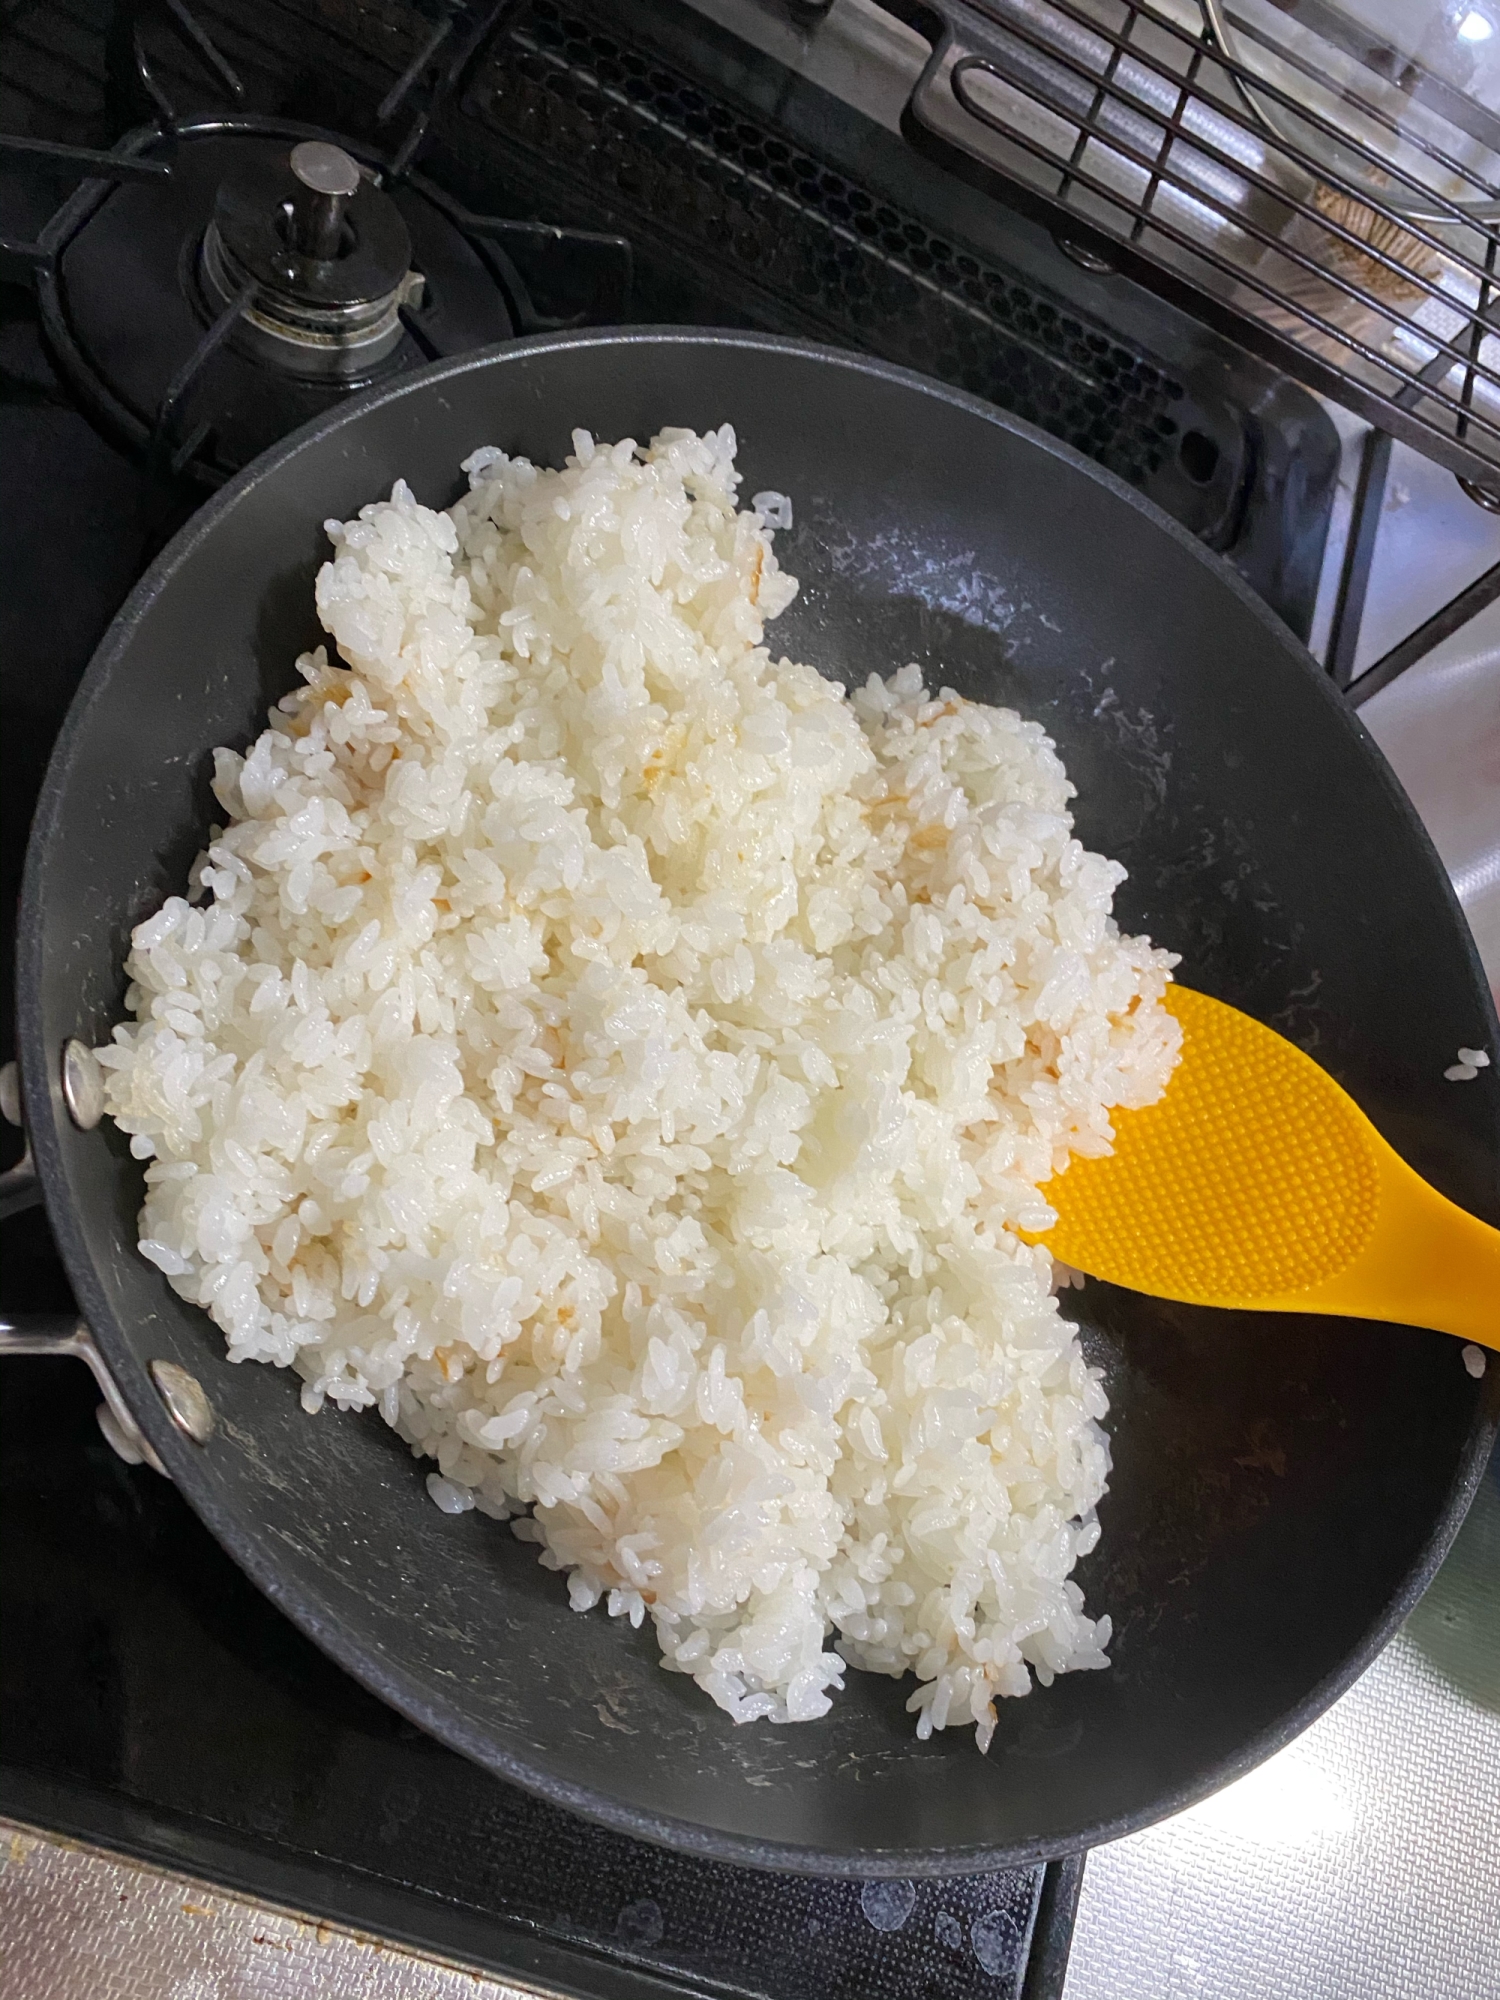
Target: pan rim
point(415, 1699)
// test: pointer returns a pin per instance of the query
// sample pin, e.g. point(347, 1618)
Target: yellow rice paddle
point(1258, 1182)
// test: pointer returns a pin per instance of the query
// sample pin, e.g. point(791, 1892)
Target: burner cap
point(324, 167)
point(145, 268)
point(326, 251)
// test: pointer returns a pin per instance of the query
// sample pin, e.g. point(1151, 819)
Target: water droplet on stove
point(888, 1904)
point(640, 1923)
point(948, 1931)
point(996, 1938)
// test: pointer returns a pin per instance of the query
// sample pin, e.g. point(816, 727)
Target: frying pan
point(1282, 1489)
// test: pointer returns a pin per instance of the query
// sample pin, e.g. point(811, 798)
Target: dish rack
point(1128, 127)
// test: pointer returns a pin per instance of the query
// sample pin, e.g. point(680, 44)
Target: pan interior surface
point(1281, 1484)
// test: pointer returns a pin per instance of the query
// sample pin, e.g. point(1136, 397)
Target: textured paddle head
point(1253, 1177)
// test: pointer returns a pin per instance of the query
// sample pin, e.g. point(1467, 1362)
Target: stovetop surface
point(153, 1700)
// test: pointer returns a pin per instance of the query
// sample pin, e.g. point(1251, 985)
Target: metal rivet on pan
point(82, 1085)
point(10, 1094)
point(186, 1403)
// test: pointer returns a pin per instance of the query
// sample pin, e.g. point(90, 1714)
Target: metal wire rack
point(1355, 248)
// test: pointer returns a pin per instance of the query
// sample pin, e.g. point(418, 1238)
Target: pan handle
point(19, 1186)
point(58, 1333)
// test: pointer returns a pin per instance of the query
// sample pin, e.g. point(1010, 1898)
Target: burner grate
point(131, 238)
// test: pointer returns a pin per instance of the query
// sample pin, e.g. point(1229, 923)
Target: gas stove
point(215, 224)
point(243, 274)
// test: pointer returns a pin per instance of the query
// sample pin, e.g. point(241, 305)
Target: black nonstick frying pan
point(1282, 1488)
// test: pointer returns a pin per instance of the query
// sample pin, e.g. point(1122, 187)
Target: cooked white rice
point(622, 1059)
